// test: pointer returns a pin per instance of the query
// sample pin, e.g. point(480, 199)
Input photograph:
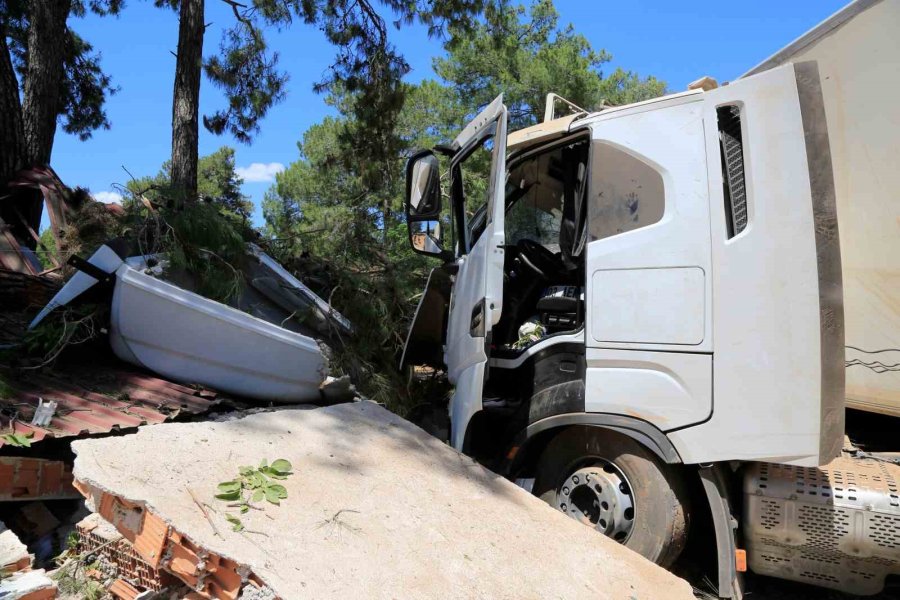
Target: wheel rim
point(599, 496)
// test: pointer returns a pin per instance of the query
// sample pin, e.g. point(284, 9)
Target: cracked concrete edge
point(14, 555)
point(209, 574)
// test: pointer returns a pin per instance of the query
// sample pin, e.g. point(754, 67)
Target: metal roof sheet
point(95, 399)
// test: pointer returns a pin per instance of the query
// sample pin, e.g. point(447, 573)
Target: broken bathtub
point(191, 339)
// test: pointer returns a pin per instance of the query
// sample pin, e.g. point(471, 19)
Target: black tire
point(660, 499)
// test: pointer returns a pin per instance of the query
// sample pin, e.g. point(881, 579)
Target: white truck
point(643, 318)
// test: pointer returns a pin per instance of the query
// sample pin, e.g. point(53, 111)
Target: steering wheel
point(538, 258)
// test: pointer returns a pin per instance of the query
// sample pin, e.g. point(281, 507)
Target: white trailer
point(858, 53)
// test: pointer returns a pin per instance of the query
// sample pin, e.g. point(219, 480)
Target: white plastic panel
point(667, 389)
point(768, 354)
point(648, 287)
point(651, 306)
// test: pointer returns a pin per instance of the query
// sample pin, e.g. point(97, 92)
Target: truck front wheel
point(610, 482)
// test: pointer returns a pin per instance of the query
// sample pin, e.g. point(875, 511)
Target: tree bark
point(12, 138)
point(12, 135)
point(40, 108)
point(43, 76)
point(186, 99)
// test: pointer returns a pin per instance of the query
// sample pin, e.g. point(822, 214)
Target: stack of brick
point(116, 556)
point(24, 478)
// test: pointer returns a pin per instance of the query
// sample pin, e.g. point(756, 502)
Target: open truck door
point(476, 225)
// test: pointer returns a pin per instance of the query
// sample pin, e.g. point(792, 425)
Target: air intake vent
point(731, 145)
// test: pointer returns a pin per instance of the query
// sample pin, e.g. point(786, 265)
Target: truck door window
point(626, 193)
point(475, 173)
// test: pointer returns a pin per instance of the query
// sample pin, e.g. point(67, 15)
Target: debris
point(335, 390)
point(14, 554)
point(30, 585)
point(705, 83)
point(427, 519)
point(275, 282)
point(43, 413)
point(13, 257)
point(123, 590)
point(205, 512)
point(115, 557)
point(24, 478)
point(95, 395)
point(34, 520)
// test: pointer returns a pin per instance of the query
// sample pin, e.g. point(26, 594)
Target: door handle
point(476, 323)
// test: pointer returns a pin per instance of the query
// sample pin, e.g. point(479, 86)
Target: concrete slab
point(376, 508)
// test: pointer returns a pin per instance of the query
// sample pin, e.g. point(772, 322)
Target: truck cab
point(638, 299)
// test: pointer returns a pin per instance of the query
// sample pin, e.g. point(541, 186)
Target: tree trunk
point(186, 99)
point(43, 75)
point(12, 136)
point(41, 87)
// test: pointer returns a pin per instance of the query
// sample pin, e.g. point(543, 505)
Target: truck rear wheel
point(610, 482)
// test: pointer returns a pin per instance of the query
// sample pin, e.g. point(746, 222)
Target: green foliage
point(248, 75)
point(255, 484)
point(246, 70)
point(329, 225)
point(217, 183)
point(84, 87)
point(203, 243)
point(6, 390)
point(47, 249)
point(73, 581)
point(18, 440)
point(524, 54)
point(68, 326)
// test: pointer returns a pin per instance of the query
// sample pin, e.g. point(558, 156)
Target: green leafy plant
point(252, 485)
point(19, 440)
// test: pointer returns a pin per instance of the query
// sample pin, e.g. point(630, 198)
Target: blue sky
point(675, 41)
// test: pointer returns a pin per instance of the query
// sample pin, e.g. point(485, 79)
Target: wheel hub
point(599, 496)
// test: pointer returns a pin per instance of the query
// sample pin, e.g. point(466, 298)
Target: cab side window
point(626, 193)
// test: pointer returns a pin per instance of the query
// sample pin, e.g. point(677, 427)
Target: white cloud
point(108, 197)
point(260, 172)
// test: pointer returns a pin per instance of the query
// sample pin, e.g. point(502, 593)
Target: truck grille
point(732, 147)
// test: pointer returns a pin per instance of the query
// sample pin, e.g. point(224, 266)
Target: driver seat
point(561, 308)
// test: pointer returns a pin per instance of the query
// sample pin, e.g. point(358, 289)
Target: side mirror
point(426, 237)
point(423, 205)
point(423, 185)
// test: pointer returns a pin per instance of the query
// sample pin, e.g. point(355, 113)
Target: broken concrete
point(14, 554)
point(30, 585)
point(375, 508)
